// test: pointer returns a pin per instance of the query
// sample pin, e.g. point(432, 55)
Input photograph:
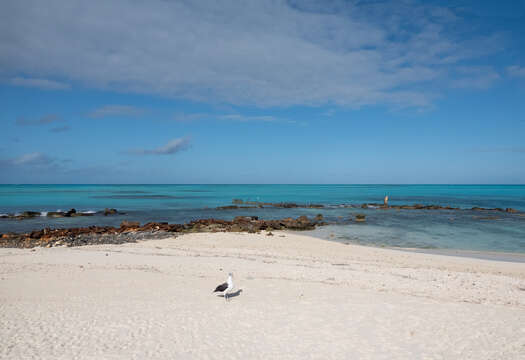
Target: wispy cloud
point(477, 77)
point(277, 53)
point(516, 71)
point(44, 84)
point(190, 117)
point(116, 111)
point(247, 118)
point(44, 120)
point(32, 159)
point(38, 167)
point(60, 129)
point(172, 147)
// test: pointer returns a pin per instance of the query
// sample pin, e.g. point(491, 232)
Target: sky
point(276, 91)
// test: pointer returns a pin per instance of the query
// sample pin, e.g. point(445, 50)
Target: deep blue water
point(441, 229)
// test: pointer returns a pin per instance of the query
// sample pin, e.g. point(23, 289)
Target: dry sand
point(301, 298)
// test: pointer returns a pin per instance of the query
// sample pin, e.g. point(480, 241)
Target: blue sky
point(262, 92)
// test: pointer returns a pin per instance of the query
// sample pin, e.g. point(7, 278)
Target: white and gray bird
point(226, 287)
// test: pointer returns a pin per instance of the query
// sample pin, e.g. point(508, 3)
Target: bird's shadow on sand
point(233, 294)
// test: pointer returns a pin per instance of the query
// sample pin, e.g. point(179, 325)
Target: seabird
point(226, 287)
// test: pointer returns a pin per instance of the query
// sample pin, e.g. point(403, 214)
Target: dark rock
point(360, 218)
point(129, 224)
point(286, 205)
point(55, 214)
point(36, 234)
point(227, 207)
point(242, 218)
point(28, 214)
point(511, 210)
point(233, 207)
point(237, 201)
point(303, 219)
point(110, 211)
point(319, 217)
point(71, 212)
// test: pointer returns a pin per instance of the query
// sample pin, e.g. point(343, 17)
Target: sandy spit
point(301, 298)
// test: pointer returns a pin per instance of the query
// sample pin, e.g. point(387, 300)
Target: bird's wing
point(221, 287)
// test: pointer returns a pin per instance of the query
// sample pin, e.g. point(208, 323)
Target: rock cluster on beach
point(130, 231)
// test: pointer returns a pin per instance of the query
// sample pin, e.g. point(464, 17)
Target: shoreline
point(130, 231)
point(152, 299)
point(470, 254)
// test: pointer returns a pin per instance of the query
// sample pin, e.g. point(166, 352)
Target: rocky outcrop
point(259, 204)
point(130, 231)
point(57, 214)
point(360, 218)
point(234, 207)
point(426, 207)
point(385, 205)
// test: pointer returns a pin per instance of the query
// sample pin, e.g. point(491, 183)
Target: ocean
point(423, 229)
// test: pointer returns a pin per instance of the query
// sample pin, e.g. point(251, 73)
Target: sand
point(301, 298)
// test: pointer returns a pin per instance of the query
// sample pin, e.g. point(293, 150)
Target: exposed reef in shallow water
point(238, 204)
point(132, 231)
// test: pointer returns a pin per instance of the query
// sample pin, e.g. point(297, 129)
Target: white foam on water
point(43, 213)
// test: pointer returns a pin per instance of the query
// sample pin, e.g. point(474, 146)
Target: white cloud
point(246, 118)
point(35, 158)
point(186, 117)
point(173, 146)
point(44, 84)
point(478, 77)
point(264, 53)
point(516, 71)
point(116, 111)
point(191, 117)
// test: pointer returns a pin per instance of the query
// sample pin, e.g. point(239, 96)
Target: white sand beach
point(301, 298)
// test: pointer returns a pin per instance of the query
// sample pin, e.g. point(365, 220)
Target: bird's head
point(230, 274)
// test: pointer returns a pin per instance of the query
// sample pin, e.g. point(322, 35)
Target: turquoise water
point(439, 229)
